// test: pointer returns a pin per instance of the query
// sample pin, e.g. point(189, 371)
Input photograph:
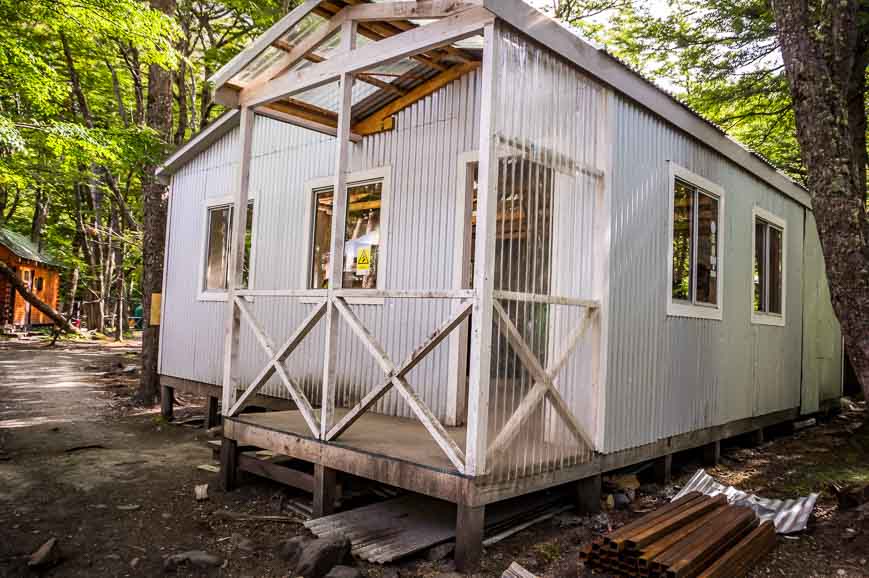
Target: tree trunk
point(825, 55)
point(40, 214)
point(154, 201)
point(62, 322)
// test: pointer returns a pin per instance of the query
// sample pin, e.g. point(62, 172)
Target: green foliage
point(720, 57)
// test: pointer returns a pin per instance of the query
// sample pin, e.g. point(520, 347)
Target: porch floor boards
point(380, 435)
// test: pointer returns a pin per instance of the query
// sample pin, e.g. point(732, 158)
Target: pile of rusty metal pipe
point(695, 535)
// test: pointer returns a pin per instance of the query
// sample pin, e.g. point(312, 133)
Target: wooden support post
point(339, 210)
point(477, 442)
point(588, 495)
point(757, 437)
point(212, 417)
point(167, 401)
point(325, 491)
point(236, 262)
point(470, 521)
point(712, 454)
point(228, 464)
point(664, 469)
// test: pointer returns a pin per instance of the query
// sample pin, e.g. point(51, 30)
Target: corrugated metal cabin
point(544, 267)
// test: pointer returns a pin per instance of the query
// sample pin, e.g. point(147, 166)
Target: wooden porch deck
point(373, 434)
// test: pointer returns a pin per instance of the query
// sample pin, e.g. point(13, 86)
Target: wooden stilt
point(712, 454)
point(757, 437)
point(212, 417)
point(663, 469)
point(469, 537)
point(167, 401)
point(228, 464)
point(588, 495)
point(325, 491)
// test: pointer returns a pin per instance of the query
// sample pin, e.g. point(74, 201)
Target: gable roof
point(527, 19)
point(24, 248)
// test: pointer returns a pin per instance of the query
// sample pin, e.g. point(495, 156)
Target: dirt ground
point(114, 484)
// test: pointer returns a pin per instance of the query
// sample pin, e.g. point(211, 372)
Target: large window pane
point(775, 270)
point(707, 249)
point(683, 231)
point(759, 266)
point(217, 252)
point(361, 236)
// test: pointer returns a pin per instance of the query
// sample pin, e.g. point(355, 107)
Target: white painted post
point(339, 213)
point(484, 264)
point(235, 273)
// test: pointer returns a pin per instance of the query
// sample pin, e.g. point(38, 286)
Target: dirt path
point(114, 484)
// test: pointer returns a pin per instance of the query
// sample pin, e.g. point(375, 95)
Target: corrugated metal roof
point(787, 515)
point(24, 248)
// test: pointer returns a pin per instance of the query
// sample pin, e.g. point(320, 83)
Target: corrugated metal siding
point(423, 154)
point(822, 337)
point(670, 375)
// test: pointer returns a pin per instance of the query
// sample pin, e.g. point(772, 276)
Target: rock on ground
point(193, 557)
point(46, 555)
point(344, 572)
point(321, 555)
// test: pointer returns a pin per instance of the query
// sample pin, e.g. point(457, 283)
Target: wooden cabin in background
point(38, 271)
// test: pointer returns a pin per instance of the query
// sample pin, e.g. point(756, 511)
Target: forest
point(95, 93)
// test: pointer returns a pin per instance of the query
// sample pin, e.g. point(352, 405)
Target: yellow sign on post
point(155, 309)
point(363, 260)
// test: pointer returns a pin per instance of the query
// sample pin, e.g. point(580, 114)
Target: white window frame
point(380, 174)
point(204, 294)
point(762, 317)
point(677, 308)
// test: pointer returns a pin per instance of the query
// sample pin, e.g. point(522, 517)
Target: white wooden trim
point(759, 317)
point(457, 382)
point(384, 176)
point(695, 310)
point(476, 444)
point(263, 41)
point(204, 294)
point(166, 269)
point(233, 316)
point(424, 38)
point(198, 143)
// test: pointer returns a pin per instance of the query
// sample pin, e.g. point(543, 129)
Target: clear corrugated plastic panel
point(546, 120)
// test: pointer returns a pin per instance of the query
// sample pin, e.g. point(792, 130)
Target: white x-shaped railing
point(544, 379)
point(396, 377)
point(277, 359)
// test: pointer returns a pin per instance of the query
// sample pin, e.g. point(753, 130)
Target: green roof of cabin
point(24, 247)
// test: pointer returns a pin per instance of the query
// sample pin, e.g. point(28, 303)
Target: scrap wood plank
point(391, 529)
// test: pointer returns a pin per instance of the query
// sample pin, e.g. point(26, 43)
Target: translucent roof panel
point(273, 58)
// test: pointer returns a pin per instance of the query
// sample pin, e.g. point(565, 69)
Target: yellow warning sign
point(363, 259)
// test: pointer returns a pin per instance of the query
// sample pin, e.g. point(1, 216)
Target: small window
point(362, 234)
point(768, 269)
point(218, 238)
point(39, 283)
point(695, 282)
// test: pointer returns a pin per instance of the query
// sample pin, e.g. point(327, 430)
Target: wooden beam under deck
point(369, 459)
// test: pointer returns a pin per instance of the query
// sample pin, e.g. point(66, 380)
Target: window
point(218, 235)
point(768, 271)
point(695, 246)
point(39, 283)
point(362, 236)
